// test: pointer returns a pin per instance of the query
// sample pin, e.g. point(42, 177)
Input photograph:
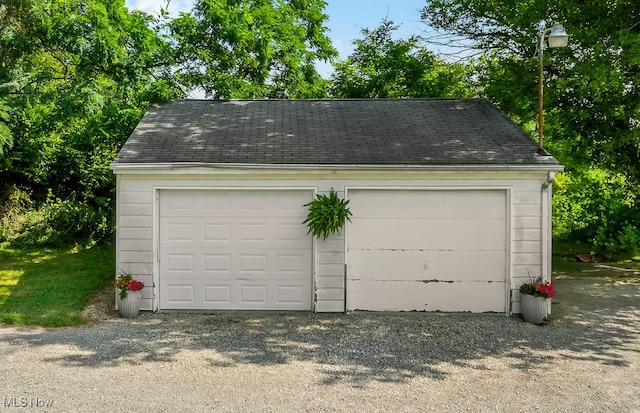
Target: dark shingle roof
point(416, 132)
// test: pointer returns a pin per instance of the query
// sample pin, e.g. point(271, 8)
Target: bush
point(55, 222)
point(13, 207)
point(626, 239)
point(597, 207)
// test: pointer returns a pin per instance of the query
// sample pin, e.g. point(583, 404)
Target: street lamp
point(557, 38)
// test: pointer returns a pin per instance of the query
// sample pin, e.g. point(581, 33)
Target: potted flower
point(129, 297)
point(535, 300)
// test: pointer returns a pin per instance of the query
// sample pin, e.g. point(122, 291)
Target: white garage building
point(451, 206)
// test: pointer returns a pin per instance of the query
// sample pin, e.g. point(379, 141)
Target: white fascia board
point(168, 167)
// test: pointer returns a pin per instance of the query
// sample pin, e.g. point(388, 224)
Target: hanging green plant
point(327, 215)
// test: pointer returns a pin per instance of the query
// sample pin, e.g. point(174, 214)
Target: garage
point(427, 250)
point(450, 202)
point(234, 249)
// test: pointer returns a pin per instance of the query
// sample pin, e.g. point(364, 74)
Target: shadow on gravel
point(594, 320)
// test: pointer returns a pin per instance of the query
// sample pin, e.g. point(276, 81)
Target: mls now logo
point(26, 402)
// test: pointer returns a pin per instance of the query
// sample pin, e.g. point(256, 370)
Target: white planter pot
point(534, 309)
point(129, 307)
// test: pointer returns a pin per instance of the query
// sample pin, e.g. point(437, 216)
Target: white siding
point(528, 239)
point(330, 274)
point(136, 239)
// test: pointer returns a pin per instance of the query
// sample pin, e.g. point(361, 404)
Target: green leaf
point(327, 215)
point(252, 48)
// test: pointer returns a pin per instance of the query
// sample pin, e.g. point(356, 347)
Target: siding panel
point(138, 197)
point(527, 197)
point(136, 209)
point(136, 244)
point(139, 257)
point(527, 247)
point(139, 233)
point(138, 221)
point(527, 210)
point(330, 274)
point(527, 234)
point(521, 222)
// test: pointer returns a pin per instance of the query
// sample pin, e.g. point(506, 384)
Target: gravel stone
point(585, 358)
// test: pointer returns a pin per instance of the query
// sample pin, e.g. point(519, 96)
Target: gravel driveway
point(586, 359)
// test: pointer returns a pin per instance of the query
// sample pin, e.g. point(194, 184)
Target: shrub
point(597, 207)
point(55, 222)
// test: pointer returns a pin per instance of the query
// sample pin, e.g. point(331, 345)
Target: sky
point(346, 18)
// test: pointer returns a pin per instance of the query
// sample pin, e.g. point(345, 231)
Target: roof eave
point(117, 167)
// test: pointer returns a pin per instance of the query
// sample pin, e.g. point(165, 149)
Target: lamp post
point(557, 37)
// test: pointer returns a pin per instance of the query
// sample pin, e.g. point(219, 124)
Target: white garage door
point(235, 249)
point(435, 250)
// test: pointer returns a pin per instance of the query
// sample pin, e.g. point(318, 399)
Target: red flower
point(546, 290)
point(135, 286)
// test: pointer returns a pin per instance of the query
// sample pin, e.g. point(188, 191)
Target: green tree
point(6, 137)
point(592, 87)
point(252, 48)
point(75, 78)
point(381, 67)
point(592, 99)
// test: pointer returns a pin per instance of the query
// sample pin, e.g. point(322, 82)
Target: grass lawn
point(564, 258)
point(49, 288)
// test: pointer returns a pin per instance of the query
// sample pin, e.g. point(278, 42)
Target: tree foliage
point(382, 67)
point(592, 87)
point(77, 75)
point(592, 96)
point(75, 78)
point(6, 137)
point(252, 48)
point(599, 206)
